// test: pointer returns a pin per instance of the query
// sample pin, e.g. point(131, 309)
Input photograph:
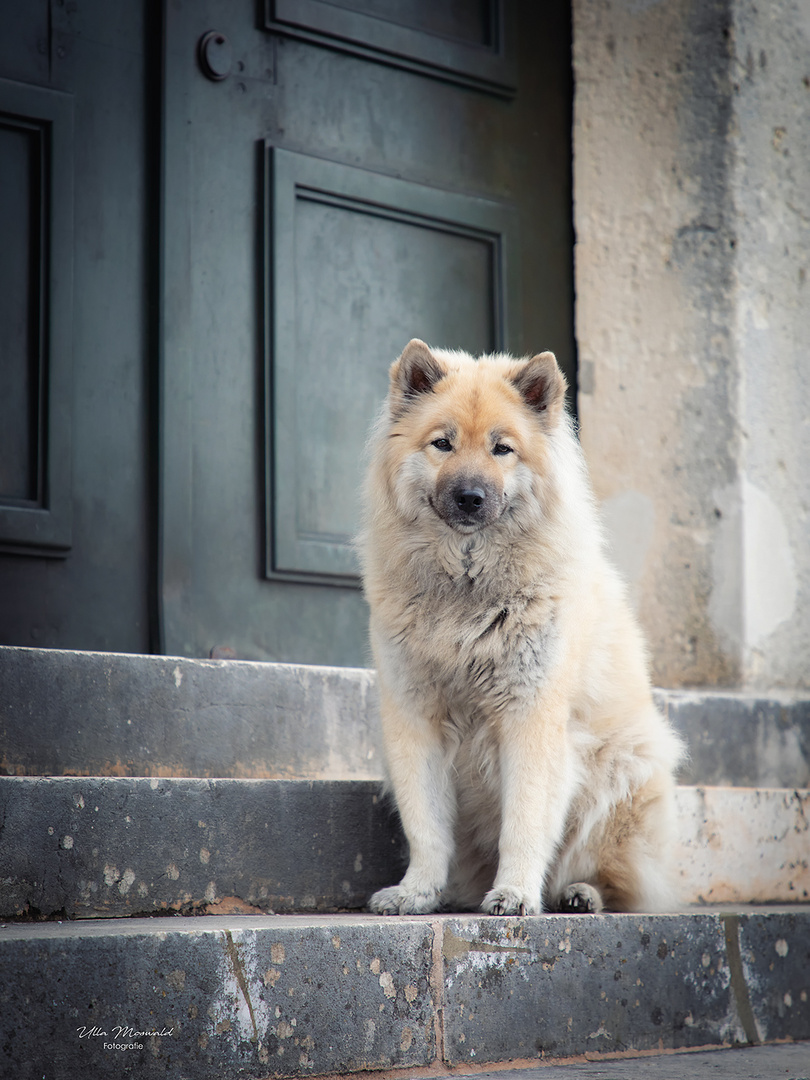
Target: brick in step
point(292, 996)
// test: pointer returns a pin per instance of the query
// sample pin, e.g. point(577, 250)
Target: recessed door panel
point(471, 42)
point(36, 276)
point(358, 261)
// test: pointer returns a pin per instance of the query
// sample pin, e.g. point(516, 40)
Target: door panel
point(471, 42)
point(325, 202)
point(350, 256)
point(36, 283)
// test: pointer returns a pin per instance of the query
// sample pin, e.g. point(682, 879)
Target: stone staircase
point(249, 794)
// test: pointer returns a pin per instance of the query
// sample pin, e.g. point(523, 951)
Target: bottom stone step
point(288, 996)
point(789, 1061)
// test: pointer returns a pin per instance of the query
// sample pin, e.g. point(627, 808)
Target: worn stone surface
point(122, 846)
point(118, 846)
point(743, 845)
point(770, 140)
point(741, 739)
point(297, 996)
point(604, 985)
point(775, 955)
point(692, 219)
point(785, 1062)
point(615, 983)
point(653, 318)
point(110, 714)
point(226, 998)
point(107, 714)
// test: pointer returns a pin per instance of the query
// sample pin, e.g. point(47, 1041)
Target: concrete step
point(786, 1061)
point(746, 739)
point(109, 714)
point(66, 713)
point(113, 846)
point(290, 996)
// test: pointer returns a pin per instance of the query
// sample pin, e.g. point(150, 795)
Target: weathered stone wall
point(771, 192)
point(692, 214)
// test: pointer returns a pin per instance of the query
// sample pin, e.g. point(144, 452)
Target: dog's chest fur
point(484, 647)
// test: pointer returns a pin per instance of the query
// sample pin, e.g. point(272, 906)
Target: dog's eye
point(442, 444)
point(502, 448)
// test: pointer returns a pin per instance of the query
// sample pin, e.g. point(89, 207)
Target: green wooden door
point(338, 178)
point(79, 209)
point(221, 222)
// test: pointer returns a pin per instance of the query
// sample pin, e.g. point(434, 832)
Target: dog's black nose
point(470, 500)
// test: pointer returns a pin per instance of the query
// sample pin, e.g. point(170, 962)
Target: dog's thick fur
point(529, 765)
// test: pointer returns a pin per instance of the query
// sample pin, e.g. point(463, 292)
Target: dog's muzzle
point(468, 503)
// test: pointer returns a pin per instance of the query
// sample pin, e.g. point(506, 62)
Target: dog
point(529, 765)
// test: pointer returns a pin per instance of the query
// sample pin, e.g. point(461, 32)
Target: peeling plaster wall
point(771, 191)
point(692, 215)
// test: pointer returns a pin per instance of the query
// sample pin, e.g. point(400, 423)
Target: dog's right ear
point(416, 372)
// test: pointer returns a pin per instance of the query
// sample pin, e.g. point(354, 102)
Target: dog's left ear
point(542, 386)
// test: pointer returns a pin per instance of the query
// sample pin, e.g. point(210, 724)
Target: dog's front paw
point(396, 900)
point(580, 899)
point(508, 901)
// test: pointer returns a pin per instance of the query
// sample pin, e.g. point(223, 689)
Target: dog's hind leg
point(621, 862)
point(634, 861)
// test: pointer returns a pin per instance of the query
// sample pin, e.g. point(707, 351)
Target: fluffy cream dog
point(529, 765)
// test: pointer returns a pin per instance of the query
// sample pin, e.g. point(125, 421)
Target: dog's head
point(467, 435)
